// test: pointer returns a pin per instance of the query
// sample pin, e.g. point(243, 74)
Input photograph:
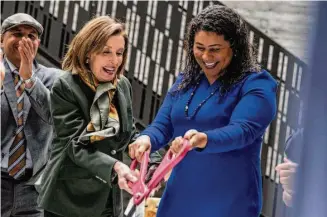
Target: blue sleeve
point(250, 118)
point(161, 130)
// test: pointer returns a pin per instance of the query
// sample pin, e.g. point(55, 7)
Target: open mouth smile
point(210, 65)
point(109, 70)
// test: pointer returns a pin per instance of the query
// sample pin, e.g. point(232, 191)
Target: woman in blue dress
point(222, 103)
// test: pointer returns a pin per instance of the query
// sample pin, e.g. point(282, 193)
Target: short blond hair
point(91, 39)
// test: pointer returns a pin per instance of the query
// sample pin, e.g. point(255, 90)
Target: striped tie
point(17, 151)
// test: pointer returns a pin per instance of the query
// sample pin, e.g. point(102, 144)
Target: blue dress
point(224, 178)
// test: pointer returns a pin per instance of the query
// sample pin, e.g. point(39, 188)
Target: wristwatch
point(30, 80)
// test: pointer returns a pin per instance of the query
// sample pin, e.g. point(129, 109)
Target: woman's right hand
point(137, 148)
point(125, 175)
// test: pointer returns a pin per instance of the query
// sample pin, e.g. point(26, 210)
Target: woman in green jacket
point(91, 106)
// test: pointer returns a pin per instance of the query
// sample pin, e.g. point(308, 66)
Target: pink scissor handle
point(139, 188)
point(169, 161)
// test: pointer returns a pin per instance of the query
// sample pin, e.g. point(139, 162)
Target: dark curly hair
point(223, 21)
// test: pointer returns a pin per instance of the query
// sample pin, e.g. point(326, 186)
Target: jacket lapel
point(122, 109)
point(9, 89)
point(85, 103)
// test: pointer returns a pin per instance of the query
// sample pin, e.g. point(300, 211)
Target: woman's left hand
point(196, 139)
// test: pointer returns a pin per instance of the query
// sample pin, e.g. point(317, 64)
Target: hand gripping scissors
point(142, 190)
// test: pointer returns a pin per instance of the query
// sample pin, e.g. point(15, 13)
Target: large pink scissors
point(142, 190)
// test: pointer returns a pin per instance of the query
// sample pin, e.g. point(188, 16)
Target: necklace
point(224, 88)
point(201, 104)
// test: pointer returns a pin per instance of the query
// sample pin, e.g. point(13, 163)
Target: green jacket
point(77, 180)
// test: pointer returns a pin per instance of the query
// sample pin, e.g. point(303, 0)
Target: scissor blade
point(130, 209)
point(135, 211)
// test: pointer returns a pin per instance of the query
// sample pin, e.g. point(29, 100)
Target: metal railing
point(156, 57)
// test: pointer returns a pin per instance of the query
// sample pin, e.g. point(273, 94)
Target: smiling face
point(10, 41)
point(212, 52)
point(104, 65)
